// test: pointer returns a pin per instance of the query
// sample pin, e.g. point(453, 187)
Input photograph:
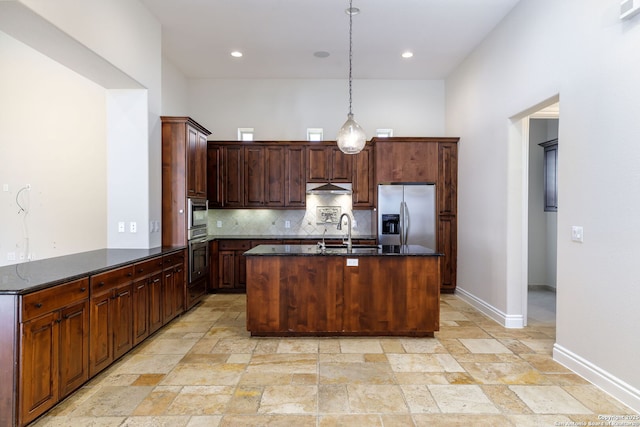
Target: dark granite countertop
point(284, 237)
point(307, 250)
point(31, 276)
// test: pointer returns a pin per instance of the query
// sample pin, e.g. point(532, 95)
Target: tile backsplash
point(302, 223)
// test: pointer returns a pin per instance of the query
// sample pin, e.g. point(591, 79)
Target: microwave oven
point(197, 217)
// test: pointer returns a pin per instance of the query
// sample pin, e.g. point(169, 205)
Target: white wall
point(580, 50)
point(52, 133)
point(175, 89)
point(118, 45)
point(284, 109)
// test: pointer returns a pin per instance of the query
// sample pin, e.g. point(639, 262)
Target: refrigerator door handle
point(407, 223)
point(401, 224)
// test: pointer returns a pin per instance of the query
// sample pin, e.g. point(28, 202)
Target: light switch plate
point(577, 234)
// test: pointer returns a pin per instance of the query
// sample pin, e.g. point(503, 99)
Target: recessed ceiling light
point(321, 54)
point(407, 54)
point(236, 54)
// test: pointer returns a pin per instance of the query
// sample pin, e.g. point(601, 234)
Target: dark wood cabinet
point(196, 162)
point(215, 155)
point(111, 314)
point(173, 286)
point(427, 160)
point(54, 342)
point(363, 176)
point(184, 174)
point(256, 175)
point(55, 339)
point(233, 185)
point(316, 295)
point(232, 264)
point(295, 195)
point(326, 163)
point(406, 160)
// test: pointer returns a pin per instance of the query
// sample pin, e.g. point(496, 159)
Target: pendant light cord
point(350, 49)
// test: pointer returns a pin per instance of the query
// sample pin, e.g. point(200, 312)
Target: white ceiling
point(278, 37)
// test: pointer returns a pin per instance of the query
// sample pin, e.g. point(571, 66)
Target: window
point(314, 134)
point(245, 134)
point(550, 175)
point(384, 133)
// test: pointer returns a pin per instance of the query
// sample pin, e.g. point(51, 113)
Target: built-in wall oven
point(198, 259)
point(198, 218)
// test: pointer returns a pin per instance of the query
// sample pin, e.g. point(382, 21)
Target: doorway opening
point(542, 228)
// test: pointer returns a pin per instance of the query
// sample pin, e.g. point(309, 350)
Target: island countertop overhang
point(315, 250)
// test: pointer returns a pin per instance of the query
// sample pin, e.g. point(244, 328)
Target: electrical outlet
point(133, 227)
point(11, 256)
point(120, 226)
point(219, 224)
point(287, 224)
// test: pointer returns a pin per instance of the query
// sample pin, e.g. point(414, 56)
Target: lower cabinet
point(54, 339)
point(111, 317)
point(232, 264)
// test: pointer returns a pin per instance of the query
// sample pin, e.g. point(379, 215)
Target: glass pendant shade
point(351, 137)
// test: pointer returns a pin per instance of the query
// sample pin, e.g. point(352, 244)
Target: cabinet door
point(406, 161)
point(179, 289)
point(363, 188)
point(317, 164)
point(233, 173)
point(295, 186)
point(168, 295)
point(241, 270)
point(39, 366)
point(226, 269)
point(447, 178)
point(74, 347)
point(254, 172)
point(192, 150)
point(214, 176)
point(122, 320)
point(201, 166)
point(340, 165)
point(274, 176)
point(155, 302)
point(141, 307)
point(100, 342)
point(447, 244)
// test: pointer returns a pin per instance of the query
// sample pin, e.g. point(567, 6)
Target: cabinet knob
point(100, 284)
point(83, 289)
point(129, 274)
point(38, 305)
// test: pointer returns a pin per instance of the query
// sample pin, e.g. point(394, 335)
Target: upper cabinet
point(363, 176)
point(256, 174)
point(184, 173)
point(406, 160)
point(326, 163)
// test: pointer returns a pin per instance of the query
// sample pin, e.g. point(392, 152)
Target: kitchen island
point(303, 290)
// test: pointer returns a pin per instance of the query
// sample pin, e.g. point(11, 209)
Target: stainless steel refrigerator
point(407, 214)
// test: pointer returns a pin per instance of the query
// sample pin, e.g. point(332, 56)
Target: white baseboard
point(622, 391)
point(507, 320)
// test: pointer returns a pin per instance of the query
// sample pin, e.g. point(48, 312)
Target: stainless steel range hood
point(329, 188)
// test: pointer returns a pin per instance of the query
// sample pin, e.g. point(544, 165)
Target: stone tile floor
point(204, 369)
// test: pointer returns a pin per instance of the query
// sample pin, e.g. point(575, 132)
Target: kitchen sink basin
point(354, 246)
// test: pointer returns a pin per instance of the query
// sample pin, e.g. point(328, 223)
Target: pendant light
point(351, 137)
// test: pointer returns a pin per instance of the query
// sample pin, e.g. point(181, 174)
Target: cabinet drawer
point(173, 259)
point(148, 267)
point(234, 245)
point(104, 281)
point(48, 300)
